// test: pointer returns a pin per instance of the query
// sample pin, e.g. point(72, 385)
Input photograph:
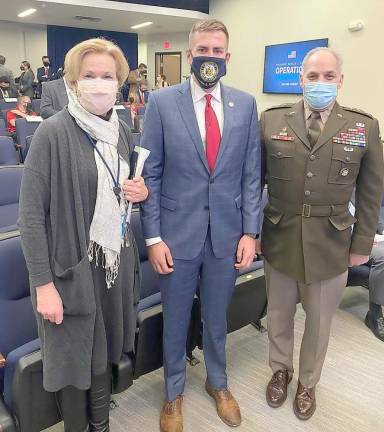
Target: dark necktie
point(314, 129)
point(213, 135)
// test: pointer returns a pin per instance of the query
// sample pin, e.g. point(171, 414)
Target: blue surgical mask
point(320, 95)
point(208, 70)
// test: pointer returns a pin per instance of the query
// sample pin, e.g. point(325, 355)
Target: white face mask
point(97, 95)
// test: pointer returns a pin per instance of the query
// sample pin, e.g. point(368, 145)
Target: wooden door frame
point(160, 53)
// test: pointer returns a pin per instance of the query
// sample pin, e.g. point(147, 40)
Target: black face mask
point(46, 63)
point(208, 70)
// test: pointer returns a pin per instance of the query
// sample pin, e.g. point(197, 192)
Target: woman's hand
point(135, 190)
point(49, 303)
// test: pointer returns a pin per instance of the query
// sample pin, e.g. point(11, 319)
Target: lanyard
point(116, 187)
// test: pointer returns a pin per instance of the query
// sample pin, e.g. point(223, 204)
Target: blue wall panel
point(196, 5)
point(61, 39)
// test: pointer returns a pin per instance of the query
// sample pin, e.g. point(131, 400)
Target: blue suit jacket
point(184, 197)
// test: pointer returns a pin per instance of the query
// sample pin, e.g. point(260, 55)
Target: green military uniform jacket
point(307, 229)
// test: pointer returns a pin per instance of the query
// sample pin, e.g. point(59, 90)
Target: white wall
point(178, 41)
point(20, 42)
point(253, 24)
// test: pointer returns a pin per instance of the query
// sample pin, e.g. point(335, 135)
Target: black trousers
point(86, 410)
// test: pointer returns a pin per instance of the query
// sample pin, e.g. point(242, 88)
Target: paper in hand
point(142, 155)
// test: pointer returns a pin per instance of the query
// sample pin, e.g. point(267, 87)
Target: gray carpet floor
point(350, 395)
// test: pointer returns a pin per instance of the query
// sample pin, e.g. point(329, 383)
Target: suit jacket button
point(309, 175)
point(206, 207)
point(211, 181)
point(312, 157)
point(307, 193)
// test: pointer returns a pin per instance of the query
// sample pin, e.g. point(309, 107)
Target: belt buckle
point(306, 211)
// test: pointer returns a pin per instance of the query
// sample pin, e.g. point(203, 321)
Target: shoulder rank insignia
point(287, 105)
point(358, 111)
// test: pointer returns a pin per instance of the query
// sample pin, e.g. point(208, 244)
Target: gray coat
point(26, 83)
point(53, 98)
point(54, 223)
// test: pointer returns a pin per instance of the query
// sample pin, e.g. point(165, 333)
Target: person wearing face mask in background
point(45, 73)
point(202, 216)
point(6, 91)
point(80, 252)
point(315, 153)
point(26, 79)
point(22, 110)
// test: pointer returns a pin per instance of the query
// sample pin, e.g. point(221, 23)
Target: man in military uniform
point(315, 153)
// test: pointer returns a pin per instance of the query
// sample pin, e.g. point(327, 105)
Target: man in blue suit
point(202, 217)
point(44, 73)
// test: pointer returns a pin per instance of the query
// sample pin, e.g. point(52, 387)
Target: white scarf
point(107, 230)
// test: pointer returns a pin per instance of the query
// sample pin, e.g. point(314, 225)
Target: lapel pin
point(231, 104)
point(339, 115)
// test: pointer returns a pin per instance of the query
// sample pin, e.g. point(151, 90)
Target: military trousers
point(320, 301)
point(376, 274)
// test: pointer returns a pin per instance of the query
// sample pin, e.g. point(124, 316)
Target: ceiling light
point(137, 26)
point(26, 13)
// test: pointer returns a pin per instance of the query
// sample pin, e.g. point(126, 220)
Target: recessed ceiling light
point(26, 13)
point(137, 26)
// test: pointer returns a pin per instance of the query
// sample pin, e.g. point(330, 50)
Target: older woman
point(26, 80)
point(80, 252)
point(23, 109)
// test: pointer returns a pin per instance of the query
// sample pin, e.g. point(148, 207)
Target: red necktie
point(213, 135)
point(46, 71)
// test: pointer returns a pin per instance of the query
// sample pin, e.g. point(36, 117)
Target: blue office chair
point(8, 153)
point(10, 182)
point(23, 130)
point(125, 115)
point(3, 127)
point(36, 105)
point(7, 105)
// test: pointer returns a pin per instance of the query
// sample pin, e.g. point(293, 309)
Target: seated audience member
point(135, 78)
point(54, 97)
point(23, 109)
point(45, 73)
point(6, 91)
point(26, 80)
point(374, 318)
point(161, 81)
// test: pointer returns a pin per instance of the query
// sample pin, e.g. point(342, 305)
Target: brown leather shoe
point(304, 404)
point(171, 418)
point(276, 392)
point(227, 407)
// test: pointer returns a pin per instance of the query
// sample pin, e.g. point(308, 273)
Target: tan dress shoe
point(171, 418)
point(227, 407)
point(277, 388)
point(304, 404)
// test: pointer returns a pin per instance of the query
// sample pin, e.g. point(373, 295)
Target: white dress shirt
point(199, 103)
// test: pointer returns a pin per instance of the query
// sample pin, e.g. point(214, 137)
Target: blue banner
point(282, 65)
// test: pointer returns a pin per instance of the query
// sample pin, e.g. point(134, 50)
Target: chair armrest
point(12, 361)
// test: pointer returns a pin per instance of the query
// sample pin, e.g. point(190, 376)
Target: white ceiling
point(114, 16)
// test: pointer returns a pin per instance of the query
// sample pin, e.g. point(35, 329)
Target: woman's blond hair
point(75, 56)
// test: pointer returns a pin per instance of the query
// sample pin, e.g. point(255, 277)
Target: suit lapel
point(296, 121)
point(188, 114)
point(228, 106)
point(335, 122)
